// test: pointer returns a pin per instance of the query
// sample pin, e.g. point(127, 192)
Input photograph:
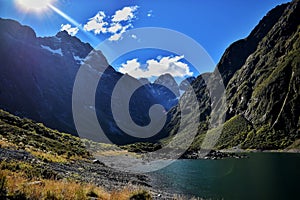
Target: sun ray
point(36, 6)
point(42, 6)
point(72, 21)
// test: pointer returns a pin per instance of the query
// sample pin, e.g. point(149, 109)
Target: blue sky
point(214, 24)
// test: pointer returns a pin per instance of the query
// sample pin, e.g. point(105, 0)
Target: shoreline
point(259, 151)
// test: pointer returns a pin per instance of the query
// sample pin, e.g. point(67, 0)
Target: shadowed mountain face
point(261, 77)
point(38, 74)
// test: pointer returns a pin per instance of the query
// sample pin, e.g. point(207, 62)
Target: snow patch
point(78, 59)
point(54, 51)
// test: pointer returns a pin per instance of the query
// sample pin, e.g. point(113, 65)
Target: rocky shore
point(211, 154)
point(86, 171)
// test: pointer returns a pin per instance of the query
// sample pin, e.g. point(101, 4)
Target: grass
point(49, 157)
point(7, 145)
point(27, 181)
point(20, 180)
point(39, 140)
point(294, 146)
point(47, 144)
point(14, 185)
point(234, 132)
point(142, 147)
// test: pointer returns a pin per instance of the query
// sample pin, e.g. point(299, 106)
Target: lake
point(261, 176)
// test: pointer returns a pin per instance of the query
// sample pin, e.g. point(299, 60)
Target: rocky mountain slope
point(38, 74)
point(261, 77)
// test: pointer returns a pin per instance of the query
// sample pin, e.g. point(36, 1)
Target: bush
point(140, 195)
point(92, 193)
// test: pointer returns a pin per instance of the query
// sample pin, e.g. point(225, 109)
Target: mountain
point(168, 81)
point(166, 87)
point(261, 77)
point(38, 74)
point(185, 83)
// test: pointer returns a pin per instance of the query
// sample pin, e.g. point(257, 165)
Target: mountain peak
point(16, 30)
point(63, 34)
point(237, 53)
point(168, 81)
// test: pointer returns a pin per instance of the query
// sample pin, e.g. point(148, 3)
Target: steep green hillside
point(49, 144)
point(26, 134)
point(266, 89)
point(261, 76)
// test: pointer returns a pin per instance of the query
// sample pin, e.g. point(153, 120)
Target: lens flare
point(33, 5)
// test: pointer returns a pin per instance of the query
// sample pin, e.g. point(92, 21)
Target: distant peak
point(63, 34)
point(144, 81)
point(168, 81)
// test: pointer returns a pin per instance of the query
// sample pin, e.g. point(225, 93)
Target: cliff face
point(261, 78)
point(266, 88)
point(238, 52)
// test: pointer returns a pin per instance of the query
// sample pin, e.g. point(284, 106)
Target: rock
point(96, 161)
point(168, 81)
point(212, 154)
point(185, 84)
point(36, 183)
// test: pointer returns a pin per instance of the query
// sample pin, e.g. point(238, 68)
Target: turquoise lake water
point(262, 176)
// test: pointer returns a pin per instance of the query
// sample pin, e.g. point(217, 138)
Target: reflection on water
point(262, 176)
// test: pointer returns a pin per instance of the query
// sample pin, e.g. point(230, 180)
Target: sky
point(214, 24)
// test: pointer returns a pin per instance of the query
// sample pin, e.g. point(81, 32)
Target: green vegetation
point(30, 170)
point(141, 147)
point(238, 132)
point(14, 185)
point(295, 146)
point(266, 138)
point(48, 144)
point(234, 132)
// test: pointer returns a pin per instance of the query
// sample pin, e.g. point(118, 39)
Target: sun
point(33, 5)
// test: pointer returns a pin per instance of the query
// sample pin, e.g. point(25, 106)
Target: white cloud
point(130, 67)
point(115, 37)
point(97, 23)
point(115, 26)
point(71, 30)
point(125, 14)
point(171, 65)
point(118, 35)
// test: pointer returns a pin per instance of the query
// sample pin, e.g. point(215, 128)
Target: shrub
point(140, 195)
